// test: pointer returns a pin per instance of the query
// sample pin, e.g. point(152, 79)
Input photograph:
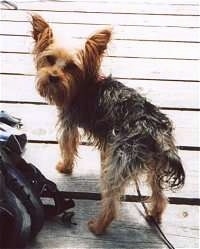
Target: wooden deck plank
point(121, 32)
point(129, 231)
point(86, 173)
point(153, 90)
point(160, 2)
point(146, 2)
point(107, 7)
point(118, 48)
point(185, 122)
point(181, 70)
point(106, 18)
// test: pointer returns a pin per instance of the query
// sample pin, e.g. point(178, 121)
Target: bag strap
point(10, 120)
point(41, 185)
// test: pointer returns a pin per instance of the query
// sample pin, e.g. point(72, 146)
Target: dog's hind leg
point(110, 199)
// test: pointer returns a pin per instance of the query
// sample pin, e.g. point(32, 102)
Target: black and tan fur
point(134, 136)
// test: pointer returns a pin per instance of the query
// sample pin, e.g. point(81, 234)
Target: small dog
point(134, 137)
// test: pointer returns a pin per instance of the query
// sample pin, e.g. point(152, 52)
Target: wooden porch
point(155, 49)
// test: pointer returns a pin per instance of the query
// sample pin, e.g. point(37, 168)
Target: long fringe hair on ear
point(93, 52)
point(41, 33)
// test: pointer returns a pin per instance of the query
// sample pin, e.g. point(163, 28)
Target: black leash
point(151, 221)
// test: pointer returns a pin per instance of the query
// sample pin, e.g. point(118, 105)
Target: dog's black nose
point(53, 78)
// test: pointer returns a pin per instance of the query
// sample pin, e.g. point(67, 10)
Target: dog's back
point(138, 133)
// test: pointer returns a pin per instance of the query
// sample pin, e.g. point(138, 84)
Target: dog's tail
point(171, 173)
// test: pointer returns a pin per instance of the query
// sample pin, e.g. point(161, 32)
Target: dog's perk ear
point(41, 33)
point(93, 52)
point(98, 42)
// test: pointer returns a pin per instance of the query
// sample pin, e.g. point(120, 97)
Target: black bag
point(22, 187)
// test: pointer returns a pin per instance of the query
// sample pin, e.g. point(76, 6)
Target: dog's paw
point(156, 216)
point(62, 168)
point(94, 227)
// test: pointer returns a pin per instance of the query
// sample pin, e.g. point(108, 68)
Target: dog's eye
point(51, 59)
point(70, 66)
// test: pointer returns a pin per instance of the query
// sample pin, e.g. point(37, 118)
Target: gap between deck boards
point(128, 198)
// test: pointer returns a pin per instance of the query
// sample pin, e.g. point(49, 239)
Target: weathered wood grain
point(138, 68)
point(106, 18)
point(40, 120)
point(121, 32)
point(129, 231)
point(153, 90)
point(117, 48)
point(170, 2)
point(109, 7)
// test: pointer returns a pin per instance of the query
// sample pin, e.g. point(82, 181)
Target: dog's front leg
point(68, 142)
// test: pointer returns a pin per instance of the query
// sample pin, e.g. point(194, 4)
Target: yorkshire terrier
point(134, 136)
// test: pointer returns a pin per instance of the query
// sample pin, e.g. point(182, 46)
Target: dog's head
point(61, 72)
